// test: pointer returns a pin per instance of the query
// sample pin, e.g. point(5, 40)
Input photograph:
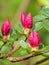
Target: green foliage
point(14, 35)
point(20, 52)
point(45, 11)
point(5, 48)
point(41, 46)
point(45, 49)
point(46, 54)
point(46, 25)
point(19, 28)
point(23, 44)
point(38, 18)
point(38, 26)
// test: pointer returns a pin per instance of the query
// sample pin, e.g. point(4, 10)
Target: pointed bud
point(34, 40)
point(26, 21)
point(6, 28)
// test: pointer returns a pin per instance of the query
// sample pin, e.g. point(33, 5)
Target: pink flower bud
point(34, 39)
point(26, 21)
point(5, 27)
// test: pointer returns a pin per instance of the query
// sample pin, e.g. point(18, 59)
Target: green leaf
point(41, 46)
point(38, 18)
point(44, 49)
point(23, 44)
point(46, 54)
point(13, 35)
point(46, 25)
point(5, 49)
point(23, 52)
point(20, 52)
point(45, 11)
point(38, 26)
point(19, 28)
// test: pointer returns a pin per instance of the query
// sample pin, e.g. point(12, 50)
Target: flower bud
point(6, 28)
point(34, 40)
point(26, 21)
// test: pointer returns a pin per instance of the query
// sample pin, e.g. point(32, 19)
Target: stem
point(14, 59)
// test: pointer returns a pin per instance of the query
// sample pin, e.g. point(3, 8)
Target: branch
point(41, 61)
point(14, 59)
point(16, 47)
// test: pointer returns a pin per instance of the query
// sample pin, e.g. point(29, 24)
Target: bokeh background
point(12, 9)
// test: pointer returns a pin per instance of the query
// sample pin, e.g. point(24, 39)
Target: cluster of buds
point(5, 29)
point(26, 22)
point(34, 38)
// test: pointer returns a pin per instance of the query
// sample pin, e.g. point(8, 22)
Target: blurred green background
point(11, 9)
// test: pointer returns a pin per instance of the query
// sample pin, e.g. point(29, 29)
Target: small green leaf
point(45, 11)
point(23, 44)
point(23, 52)
point(13, 35)
point(33, 27)
point(5, 49)
point(20, 52)
point(46, 25)
point(41, 46)
point(19, 28)
point(46, 54)
point(38, 18)
point(45, 48)
point(38, 26)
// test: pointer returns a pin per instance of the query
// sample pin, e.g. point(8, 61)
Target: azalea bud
point(5, 29)
point(26, 22)
point(34, 40)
